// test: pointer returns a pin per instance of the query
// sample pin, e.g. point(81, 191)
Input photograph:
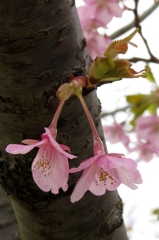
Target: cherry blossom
point(50, 168)
point(96, 43)
point(101, 10)
point(146, 151)
point(94, 15)
point(105, 172)
point(116, 134)
point(147, 128)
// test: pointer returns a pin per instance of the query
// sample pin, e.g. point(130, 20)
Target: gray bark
point(41, 44)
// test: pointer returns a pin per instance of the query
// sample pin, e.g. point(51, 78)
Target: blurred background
point(141, 206)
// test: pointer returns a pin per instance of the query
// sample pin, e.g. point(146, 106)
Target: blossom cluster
point(146, 132)
point(93, 16)
point(143, 128)
point(50, 168)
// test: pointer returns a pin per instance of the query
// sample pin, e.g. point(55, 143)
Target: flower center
point(44, 165)
point(104, 177)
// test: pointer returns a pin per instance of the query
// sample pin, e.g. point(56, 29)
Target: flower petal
point(61, 168)
point(103, 180)
point(82, 184)
point(117, 161)
point(85, 164)
point(97, 187)
point(22, 149)
point(50, 169)
point(42, 170)
point(57, 146)
point(128, 178)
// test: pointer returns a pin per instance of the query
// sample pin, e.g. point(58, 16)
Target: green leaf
point(120, 46)
point(150, 75)
point(139, 104)
point(152, 108)
point(155, 211)
point(106, 68)
point(135, 99)
point(138, 111)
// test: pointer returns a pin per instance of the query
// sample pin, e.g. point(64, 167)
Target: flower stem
point(97, 141)
point(53, 124)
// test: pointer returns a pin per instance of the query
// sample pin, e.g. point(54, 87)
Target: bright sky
point(138, 204)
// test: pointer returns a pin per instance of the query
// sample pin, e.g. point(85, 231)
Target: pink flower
point(147, 128)
point(146, 151)
point(102, 10)
point(50, 167)
point(91, 21)
point(105, 171)
point(96, 43)
point(116, 134)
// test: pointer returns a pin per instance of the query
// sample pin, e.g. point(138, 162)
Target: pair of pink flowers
point(97, 14)
point(50, 168)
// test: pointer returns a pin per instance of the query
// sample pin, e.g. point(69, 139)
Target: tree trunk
point(41, 44)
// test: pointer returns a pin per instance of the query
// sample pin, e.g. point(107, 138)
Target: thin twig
point(137, 25)
point(115, 111)
point(136, 59)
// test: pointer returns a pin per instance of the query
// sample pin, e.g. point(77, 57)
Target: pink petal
point(116, 162)
point(103, 180)
point(103, 162)
point(82, 184)
point(116, 133)
point(64, 147)
point(100, 188)
point(41, 169)
point(122, 170)
point(19, 148)
point(85, 164)
point(97, 190)
point(61, 167)
point(50, 169)
point(128, 178)
point(57, 146)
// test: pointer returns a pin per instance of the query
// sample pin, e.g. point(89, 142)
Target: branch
point(136, 59)
point(115, 111)
point(137, 24)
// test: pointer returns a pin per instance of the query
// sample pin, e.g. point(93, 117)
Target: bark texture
point(41, 44)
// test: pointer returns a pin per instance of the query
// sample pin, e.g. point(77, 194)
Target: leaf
point(107, 68)
point(138, 110)
point(152, 108)
point(120, 46)
point(150, 75)
point(134, 99)
point(155, 211)
point(140, 103)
